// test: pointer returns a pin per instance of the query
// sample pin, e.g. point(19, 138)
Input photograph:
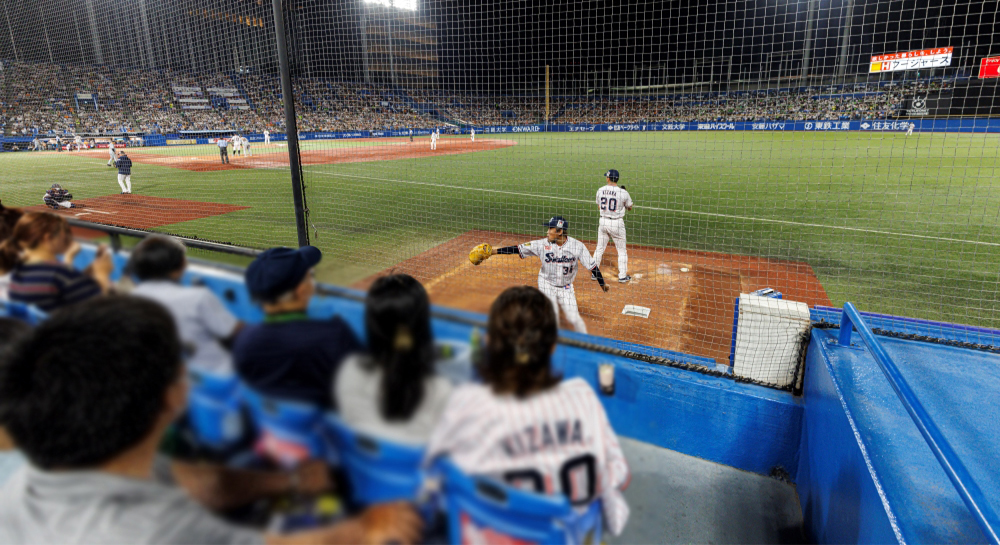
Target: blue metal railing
point(966, 486)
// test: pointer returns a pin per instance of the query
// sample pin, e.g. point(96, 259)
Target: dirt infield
point(691, 294)
point(140, 211)
point(384, 149)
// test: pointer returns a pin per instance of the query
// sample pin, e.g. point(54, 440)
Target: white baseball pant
point(615, 230)
point(113, 160)
point(125, 180)
point(434, 143)
point(564, 297)
point(267, 139)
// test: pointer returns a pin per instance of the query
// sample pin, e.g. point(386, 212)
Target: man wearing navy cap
point(290, 356)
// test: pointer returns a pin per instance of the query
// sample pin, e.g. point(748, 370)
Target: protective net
point(823, 152)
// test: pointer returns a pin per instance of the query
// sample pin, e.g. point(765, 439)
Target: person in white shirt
point(267, 137)
point(245, 146)
point(473, 133)
point(526, 426)
point(392, 392)
point(613, 201)
point(204, 324)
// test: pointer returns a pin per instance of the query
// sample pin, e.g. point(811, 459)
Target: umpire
point(223, 150)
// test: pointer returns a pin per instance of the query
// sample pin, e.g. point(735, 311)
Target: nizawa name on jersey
point(539, 437)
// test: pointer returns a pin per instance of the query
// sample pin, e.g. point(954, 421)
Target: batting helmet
point(613, 174)
point(558, 222)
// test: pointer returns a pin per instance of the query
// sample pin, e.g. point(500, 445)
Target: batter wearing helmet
point(613, 201)
point(559, 254)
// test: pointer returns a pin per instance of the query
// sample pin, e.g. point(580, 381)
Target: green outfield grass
point(896, 224)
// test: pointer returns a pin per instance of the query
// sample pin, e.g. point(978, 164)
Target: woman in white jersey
point(525, 425)
point(559, 254)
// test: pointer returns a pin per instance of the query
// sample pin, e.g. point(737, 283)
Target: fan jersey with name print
point(559, 263)
point(555, 442)
point(613, 201)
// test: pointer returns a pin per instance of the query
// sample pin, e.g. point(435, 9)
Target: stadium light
point(410, 5)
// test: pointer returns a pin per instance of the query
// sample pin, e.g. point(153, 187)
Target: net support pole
point(291, 129)
point(546, 95)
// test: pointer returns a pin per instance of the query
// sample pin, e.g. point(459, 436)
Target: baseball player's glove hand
point(621, 186)
point(480, 253)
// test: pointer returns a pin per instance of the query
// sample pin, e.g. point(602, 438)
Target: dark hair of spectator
point(521, 334)
point(89, 382)
point(8, 219)
point(398, 321)
point(156, 258)
point(29, 232)
point(11, 331)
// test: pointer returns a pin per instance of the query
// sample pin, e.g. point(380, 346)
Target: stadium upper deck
point(42, 98)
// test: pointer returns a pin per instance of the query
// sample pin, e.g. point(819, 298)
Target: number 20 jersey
point(613, 201)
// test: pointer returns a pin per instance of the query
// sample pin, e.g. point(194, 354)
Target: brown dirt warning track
point(140, 211)
point(691, 294)
point(276, 156)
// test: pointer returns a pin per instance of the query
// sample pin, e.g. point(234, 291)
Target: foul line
point(659, 209)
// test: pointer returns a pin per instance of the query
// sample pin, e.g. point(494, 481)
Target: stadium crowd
point(94, 397)
point(41, 99)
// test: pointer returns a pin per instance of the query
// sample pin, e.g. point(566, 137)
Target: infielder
point(558, 254)
point(237, 149)
point(613, 201)
point(434, 140)
point(909, 129)
point(473, 133)
point(124, 173)
point(245, 146)
point(223, 150)
point(411, 135)
point(36, 145)
point(78, 142)
point(267, 137)
point(111, 152)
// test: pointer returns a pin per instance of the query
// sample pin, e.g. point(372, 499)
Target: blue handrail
point(946, 456)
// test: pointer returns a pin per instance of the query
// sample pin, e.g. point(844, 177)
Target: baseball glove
point(480, 253)
point(621, 186)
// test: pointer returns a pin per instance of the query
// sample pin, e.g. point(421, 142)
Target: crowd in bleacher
point(39, 98)
point(100, 397)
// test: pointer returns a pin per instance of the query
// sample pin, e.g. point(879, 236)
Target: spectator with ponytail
point(392, 391)
point(527, 427)
point(37, 277)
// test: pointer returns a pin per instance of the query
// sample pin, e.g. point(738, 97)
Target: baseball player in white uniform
point(613, 202)
point(909, 129)
point(473, 133)
point(559, 254)
point(245, 146)
point(112, 153)
point(267, 137)
point(77, 142)
point(434, 140)
point(236, 144)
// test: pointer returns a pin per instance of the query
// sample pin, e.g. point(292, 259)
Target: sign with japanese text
point(912, 60)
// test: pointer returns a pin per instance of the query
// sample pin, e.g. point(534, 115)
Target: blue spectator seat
point(214, 409)
point(483, 510)
point(20, 311)
point(289, 432)
point(379, 471)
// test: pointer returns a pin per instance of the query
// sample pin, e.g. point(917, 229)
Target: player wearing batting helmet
point(559, 254)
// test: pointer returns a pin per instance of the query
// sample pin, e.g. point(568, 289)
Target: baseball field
point(896, 224)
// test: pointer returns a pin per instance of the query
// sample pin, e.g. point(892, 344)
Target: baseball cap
point(279, 270)
point(558, 222)
point(613, 174)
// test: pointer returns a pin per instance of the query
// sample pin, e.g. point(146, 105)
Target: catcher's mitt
point(480, 253)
